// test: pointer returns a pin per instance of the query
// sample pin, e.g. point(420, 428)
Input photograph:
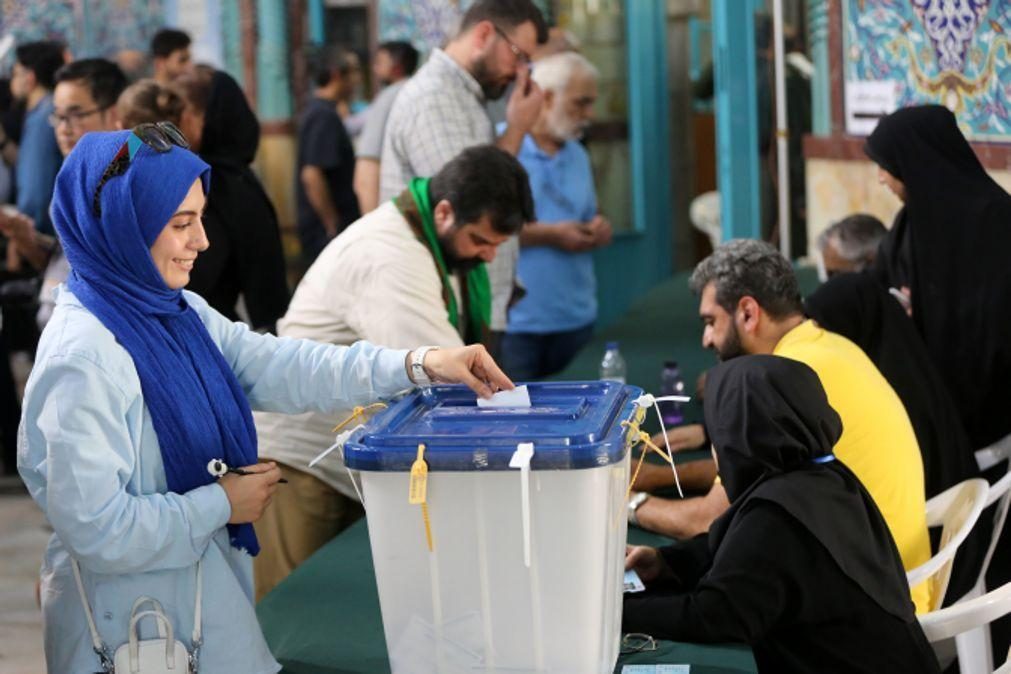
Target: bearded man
point(555, 318)
point(413, 270)
point(441, 111)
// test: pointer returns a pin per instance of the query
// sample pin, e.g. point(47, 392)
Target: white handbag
point(164, 655)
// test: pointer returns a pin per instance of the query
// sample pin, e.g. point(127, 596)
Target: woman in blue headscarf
point(140, 387)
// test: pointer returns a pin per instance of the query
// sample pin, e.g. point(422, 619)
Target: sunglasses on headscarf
point(159, 136)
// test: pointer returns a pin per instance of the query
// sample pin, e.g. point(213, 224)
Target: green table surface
point(325, 618)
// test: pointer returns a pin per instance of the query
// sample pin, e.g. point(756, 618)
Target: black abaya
point(858, 308)
point(801, 566)
point(245, 257)
point(949, 245)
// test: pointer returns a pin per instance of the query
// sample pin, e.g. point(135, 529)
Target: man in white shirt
point(441, 110)
point(410, 272)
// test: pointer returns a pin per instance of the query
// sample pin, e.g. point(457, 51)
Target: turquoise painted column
point(736, 117)
point(273, 88)
point(317, 22)
point(231, 40)
point(639, 259)
point(821, 93)
point(649, 120)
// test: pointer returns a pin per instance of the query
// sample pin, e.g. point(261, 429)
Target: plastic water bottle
point(612, 367)
point(671, 384)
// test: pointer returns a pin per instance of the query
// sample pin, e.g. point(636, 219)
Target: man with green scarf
point(410, 272)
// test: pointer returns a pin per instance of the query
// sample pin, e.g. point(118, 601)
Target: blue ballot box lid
point(571, 425)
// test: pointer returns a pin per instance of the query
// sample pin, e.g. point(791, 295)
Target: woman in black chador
point(801, 566)
point(948, 250)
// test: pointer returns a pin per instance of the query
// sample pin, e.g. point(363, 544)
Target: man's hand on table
point(682, 438)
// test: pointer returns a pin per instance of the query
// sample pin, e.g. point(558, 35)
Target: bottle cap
point(611, 346)
point(670, 364)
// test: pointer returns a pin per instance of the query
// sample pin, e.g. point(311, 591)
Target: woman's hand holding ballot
point(470, 365)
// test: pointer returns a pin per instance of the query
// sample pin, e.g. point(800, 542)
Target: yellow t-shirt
point(878, 443)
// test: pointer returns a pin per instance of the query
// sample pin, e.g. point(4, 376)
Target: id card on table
point(632, 582)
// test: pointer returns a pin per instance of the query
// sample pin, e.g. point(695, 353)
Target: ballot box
point(498, 533)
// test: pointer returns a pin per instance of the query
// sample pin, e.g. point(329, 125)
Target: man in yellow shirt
point(750, 303)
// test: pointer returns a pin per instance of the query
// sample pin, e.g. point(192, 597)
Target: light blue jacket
point(89, 455)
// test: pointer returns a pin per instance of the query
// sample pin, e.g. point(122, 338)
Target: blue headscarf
point(198, 409)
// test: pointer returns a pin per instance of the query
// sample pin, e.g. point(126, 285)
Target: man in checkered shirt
point(440, 111)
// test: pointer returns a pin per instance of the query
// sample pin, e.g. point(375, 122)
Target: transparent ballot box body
point(525, 570)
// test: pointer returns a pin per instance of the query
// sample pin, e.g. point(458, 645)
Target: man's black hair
point(485, 180)
point(42, 58)
point(324, 61)
point(103, 78)
point(168, 40)
point(507, 15)
point(403, 54)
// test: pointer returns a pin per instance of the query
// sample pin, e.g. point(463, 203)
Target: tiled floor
point(23, 537)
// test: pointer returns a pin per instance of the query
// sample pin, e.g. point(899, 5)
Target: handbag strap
point(96, 638)
point(197, 630)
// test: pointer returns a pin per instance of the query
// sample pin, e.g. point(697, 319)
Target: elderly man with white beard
point(555, 317)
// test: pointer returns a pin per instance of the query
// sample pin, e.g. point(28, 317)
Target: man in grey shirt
point(394, 63)
point(440, 111)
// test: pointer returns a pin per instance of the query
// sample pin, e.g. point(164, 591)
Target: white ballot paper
point(518, 397)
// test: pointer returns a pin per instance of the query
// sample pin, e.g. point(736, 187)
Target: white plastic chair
point(994, 454)
point(969, 615)
point(956, 510)
point(973, 645)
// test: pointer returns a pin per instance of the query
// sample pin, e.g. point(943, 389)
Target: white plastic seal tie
point(649, 400)
point(521, 459)
point(342, 437)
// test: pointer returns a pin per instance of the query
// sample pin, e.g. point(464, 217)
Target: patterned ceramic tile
point(89, 28)
point(425, 23)
point(953, 52)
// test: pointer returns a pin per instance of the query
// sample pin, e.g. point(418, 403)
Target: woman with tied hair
point(146, 101)
point(139, 387)
point(801, 566)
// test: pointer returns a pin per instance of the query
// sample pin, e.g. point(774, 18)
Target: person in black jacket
point(801, 566)
point(245, 258)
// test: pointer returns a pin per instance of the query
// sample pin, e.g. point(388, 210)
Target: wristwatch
point(418, 374)
point(636, 500)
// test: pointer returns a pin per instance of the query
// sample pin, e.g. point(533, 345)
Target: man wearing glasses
point(441, 110)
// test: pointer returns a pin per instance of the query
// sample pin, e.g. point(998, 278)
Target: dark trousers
point(528, 356)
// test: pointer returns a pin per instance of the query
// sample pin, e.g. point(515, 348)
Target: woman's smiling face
point(182, 239)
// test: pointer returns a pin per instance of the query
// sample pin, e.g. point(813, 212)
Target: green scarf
point(478, 287)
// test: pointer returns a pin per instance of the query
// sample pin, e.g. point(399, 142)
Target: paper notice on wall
point(867, 102)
